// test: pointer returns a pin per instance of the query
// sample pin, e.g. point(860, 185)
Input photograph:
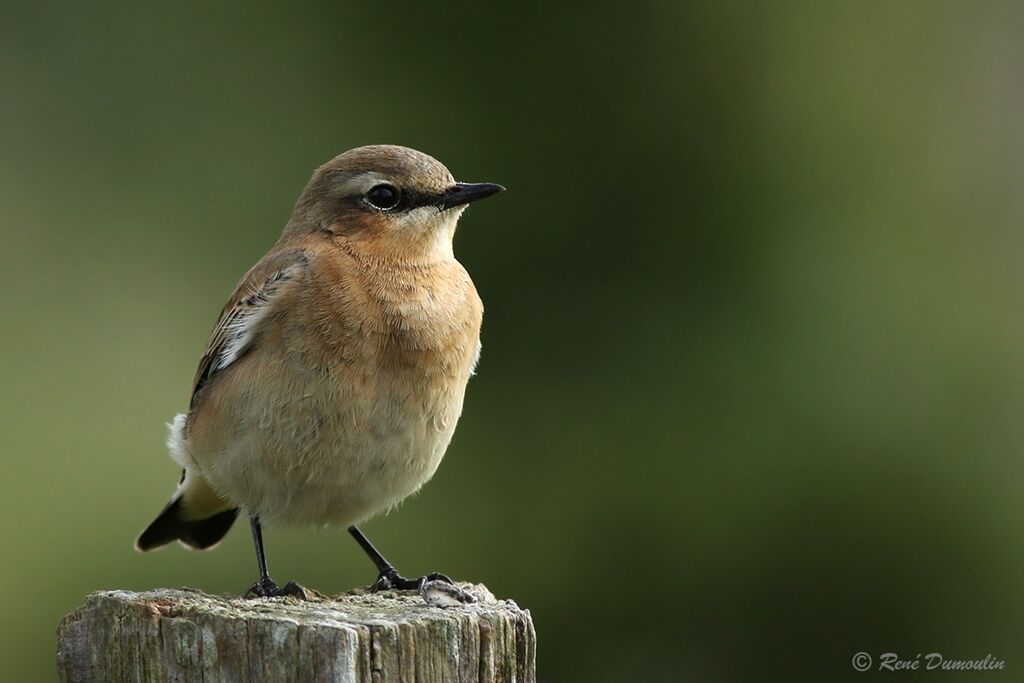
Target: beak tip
point(465, 193)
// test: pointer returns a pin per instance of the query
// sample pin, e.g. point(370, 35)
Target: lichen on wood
point(187, 635)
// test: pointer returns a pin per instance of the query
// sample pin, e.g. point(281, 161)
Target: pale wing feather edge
point(239, 323)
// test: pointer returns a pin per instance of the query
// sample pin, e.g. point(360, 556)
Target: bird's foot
point(390, 579)
point(266, 588)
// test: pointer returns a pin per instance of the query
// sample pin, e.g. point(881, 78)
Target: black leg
point(257, 540)
point(265, 587)
point(388, 576)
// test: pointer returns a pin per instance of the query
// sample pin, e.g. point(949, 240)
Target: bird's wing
point(257, 296)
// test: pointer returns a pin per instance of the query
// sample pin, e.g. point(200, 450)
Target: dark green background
point(753, 373)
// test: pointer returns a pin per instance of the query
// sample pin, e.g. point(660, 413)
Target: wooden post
point(186, 635)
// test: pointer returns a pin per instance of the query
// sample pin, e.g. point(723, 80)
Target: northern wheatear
point(335, 375)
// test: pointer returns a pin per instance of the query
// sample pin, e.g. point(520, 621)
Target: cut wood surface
point(187, 635)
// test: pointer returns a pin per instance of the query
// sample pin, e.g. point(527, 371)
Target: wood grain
point(187, 635)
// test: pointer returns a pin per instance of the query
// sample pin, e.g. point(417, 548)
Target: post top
point(358, 637)
point(354, 608)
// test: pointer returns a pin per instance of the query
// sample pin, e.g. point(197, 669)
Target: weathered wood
point(186, 635)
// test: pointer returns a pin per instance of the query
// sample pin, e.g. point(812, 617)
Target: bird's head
point(387, 197)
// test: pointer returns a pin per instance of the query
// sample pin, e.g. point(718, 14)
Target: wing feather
point(256, 297)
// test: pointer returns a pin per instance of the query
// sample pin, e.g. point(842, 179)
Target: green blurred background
point(753, 374)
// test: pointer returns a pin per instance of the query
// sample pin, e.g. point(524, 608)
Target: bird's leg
point(388, 577)
point(265, 587)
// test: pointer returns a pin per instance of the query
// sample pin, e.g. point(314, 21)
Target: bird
point(336, 372)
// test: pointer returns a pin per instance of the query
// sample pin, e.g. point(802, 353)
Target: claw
point(390, 579)
point(436, 576)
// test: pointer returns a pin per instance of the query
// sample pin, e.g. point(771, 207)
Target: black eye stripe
point(380, 197)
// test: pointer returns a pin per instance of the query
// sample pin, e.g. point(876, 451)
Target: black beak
point(464, 193)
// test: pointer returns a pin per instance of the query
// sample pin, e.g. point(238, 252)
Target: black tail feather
point(199, 534)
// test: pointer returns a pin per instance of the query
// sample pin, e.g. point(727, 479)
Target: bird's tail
point(196, 516)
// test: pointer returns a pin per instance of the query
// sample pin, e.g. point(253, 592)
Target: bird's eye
point(383, 197)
